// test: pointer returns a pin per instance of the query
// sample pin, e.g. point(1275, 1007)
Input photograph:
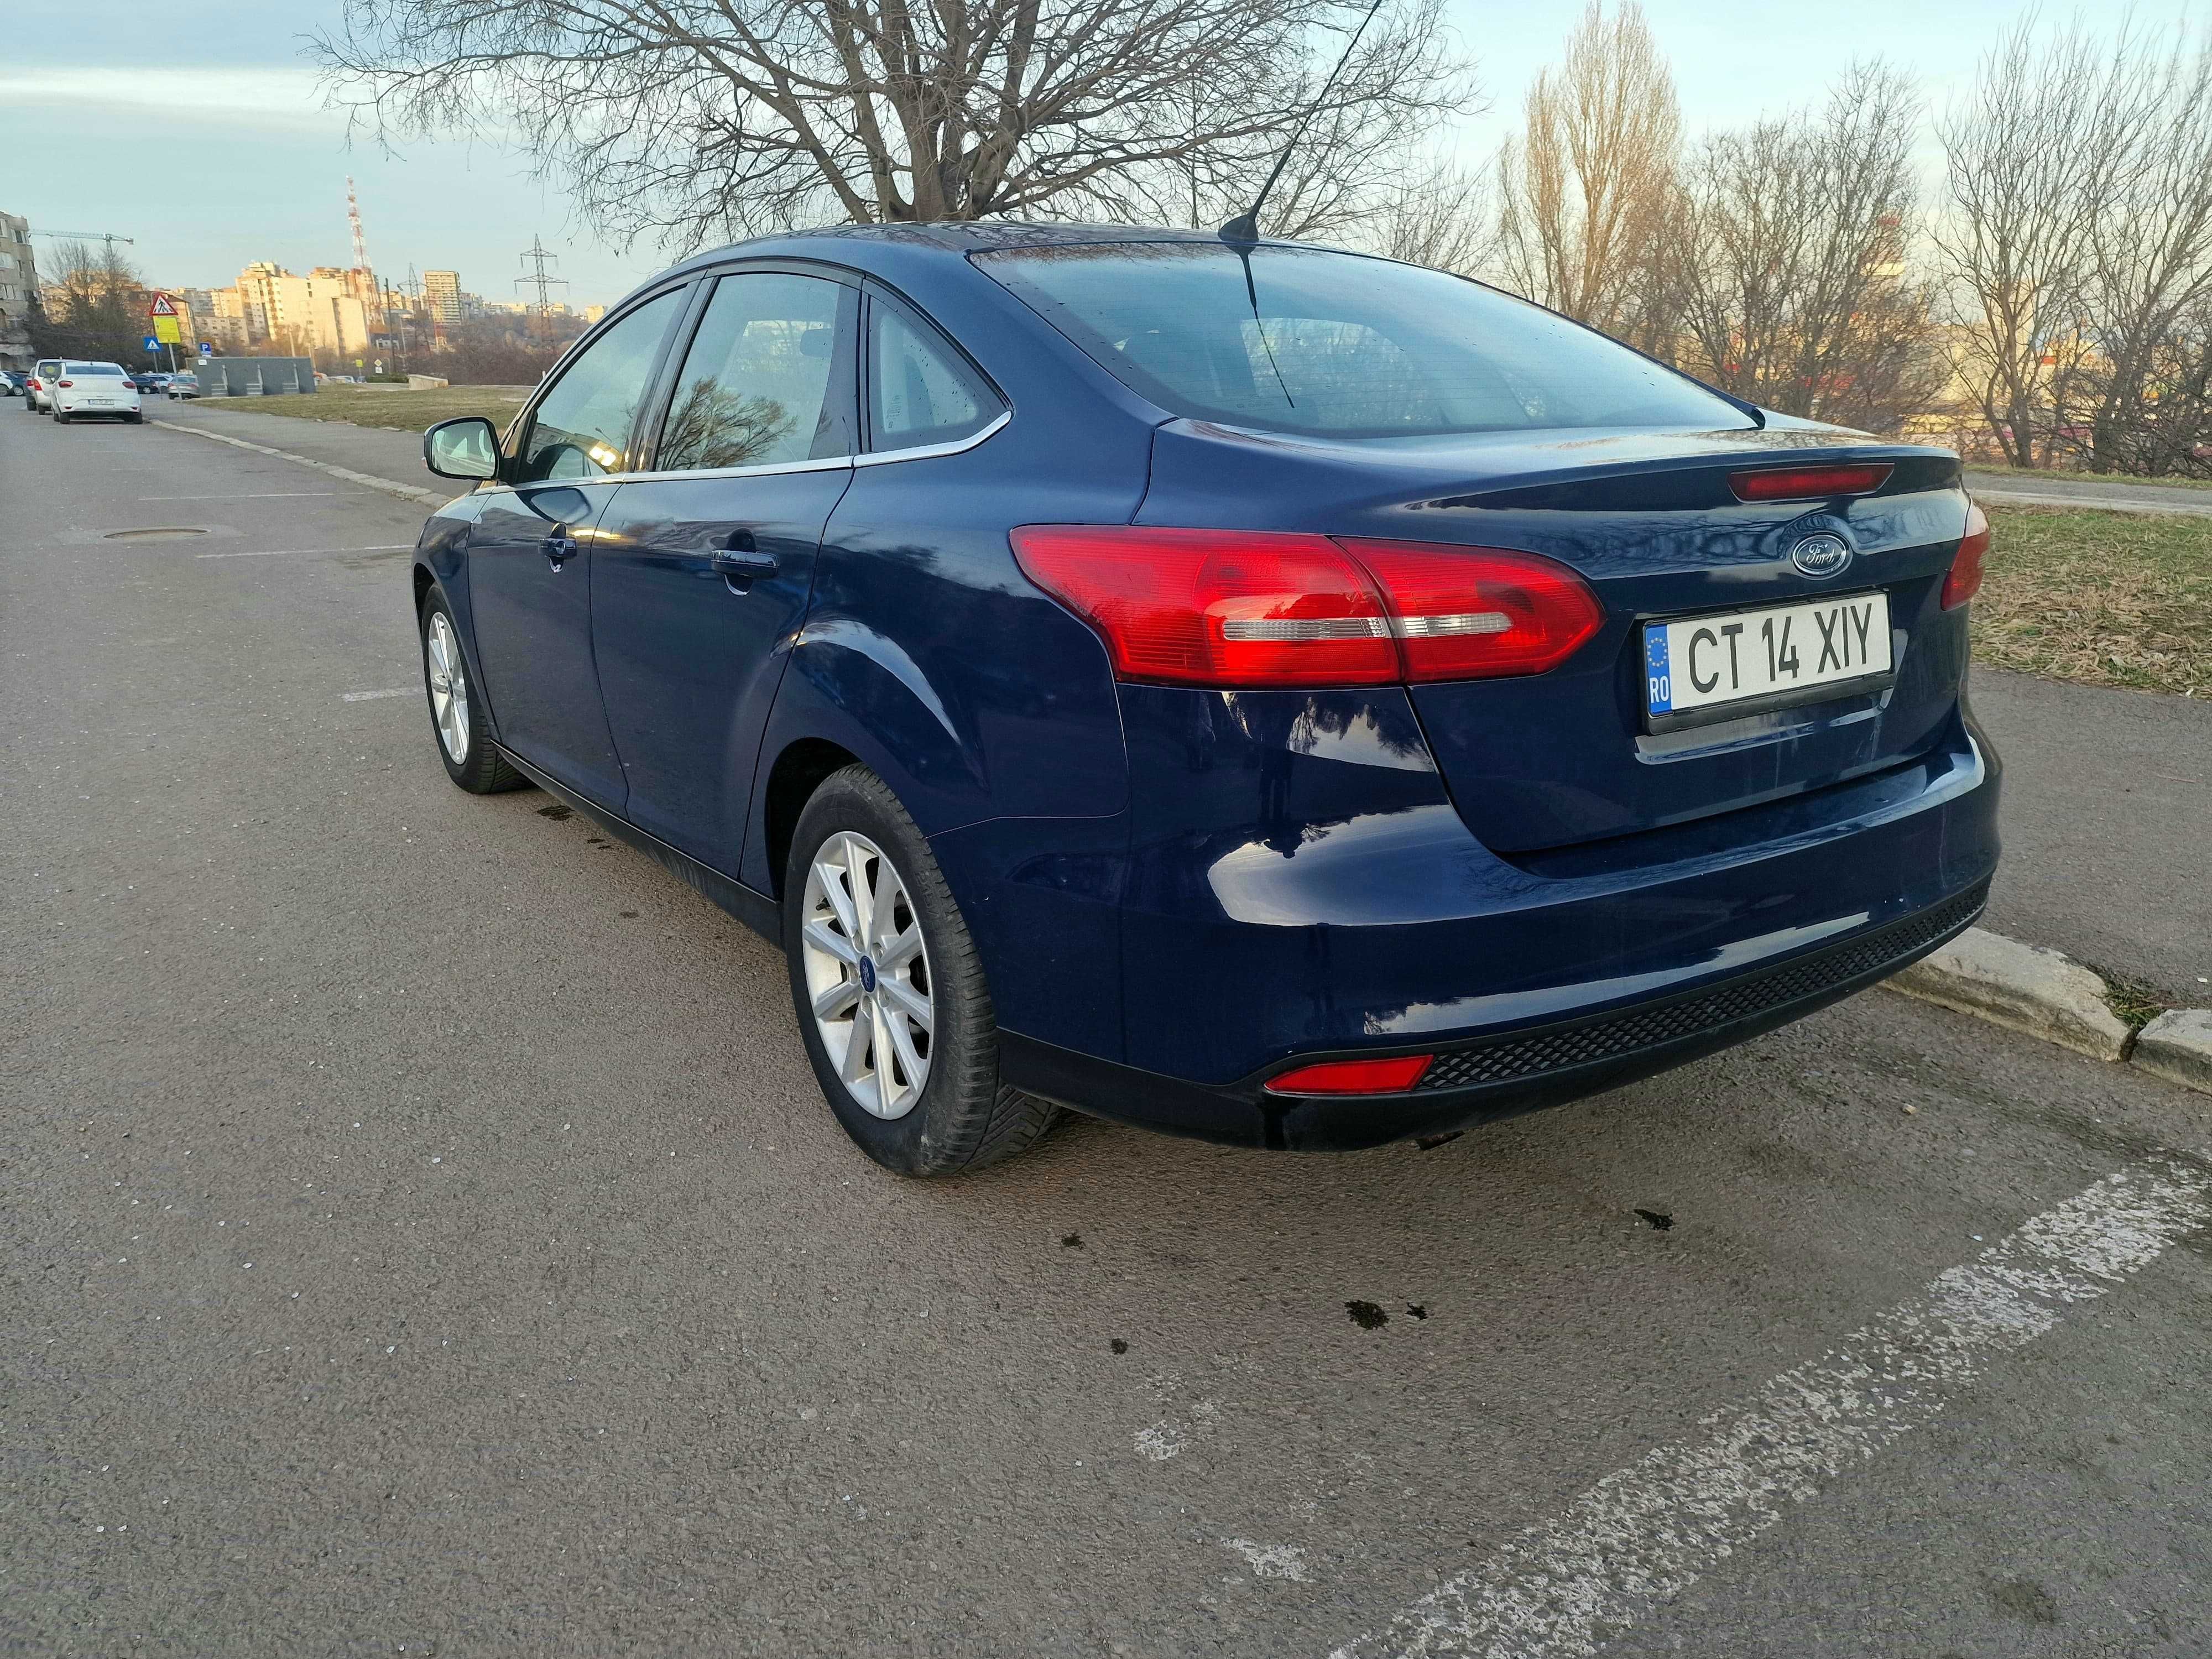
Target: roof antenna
point(1244, 228)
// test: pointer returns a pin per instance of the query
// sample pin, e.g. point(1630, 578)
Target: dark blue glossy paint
point(1175, 891)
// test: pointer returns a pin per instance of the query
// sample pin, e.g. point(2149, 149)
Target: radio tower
point(537, 256)
point(353, 218)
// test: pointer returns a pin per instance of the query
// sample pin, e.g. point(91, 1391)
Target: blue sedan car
point(1256, 691)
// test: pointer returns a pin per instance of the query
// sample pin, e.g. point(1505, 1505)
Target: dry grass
point(400, 410)
point(2101, 598)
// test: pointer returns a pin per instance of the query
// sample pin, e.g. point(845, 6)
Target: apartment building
point(19, 284)
point(441, 293)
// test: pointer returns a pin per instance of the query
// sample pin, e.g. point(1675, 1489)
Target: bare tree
point(1586, 193)
point(93, 305)
point(2025, 171)
point(1442, 217)
point(692, 119)
point(2146, 284)
point(1793, 284)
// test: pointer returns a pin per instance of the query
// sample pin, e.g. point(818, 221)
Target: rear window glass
point(1337, 345)
point(89, 369)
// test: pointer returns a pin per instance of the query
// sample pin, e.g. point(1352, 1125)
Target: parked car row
point(69, 390)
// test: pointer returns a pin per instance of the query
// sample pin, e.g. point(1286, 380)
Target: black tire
point(137, 417)
point(481, 769)
point(966, 1118)
point(60, 419)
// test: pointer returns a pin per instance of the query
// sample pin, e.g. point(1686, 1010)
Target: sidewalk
point(2107, 816)
point(386, 453)
point(2027, 490)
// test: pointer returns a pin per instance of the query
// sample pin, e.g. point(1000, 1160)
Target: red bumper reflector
point(1965, 580)
point(1808, 484)
point(1353, 1077)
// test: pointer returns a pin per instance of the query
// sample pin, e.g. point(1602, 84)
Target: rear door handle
point(742, 565)
point(559, 546)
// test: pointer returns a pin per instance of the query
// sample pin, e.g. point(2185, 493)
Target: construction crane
point(106, 236)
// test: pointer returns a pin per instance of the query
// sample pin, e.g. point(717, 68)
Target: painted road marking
point(304, 552)
point(389, 691)
point(1644, 1533)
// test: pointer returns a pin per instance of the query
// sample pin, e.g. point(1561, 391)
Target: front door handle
point(560, 546)
point(740, 567)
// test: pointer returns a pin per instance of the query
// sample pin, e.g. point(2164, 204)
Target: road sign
point(151, 344)
point(160, 307)
point(206, 351)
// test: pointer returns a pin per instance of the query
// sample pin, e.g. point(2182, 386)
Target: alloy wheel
point(449, 687)
point(867, 973)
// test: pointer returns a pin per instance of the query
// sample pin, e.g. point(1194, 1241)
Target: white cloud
point(254, 97)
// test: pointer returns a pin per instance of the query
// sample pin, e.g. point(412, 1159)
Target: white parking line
point(1644, 1535)
point(303, 552)
point(389, 691)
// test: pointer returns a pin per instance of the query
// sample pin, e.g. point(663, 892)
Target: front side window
point(760, 385)
point(582, 428)
point(920, 393)
point(1306, 341)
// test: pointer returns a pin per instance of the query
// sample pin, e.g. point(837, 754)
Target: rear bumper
point(1334, 922)
point(1496, 1077)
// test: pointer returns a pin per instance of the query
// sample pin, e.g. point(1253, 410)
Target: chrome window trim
point(925, 452)
point(824, 464)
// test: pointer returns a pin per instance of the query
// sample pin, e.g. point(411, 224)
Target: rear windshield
point(1337, 345)
point(93, 368)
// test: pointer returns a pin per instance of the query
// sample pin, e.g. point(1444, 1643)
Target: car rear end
point(1507, 717)
point(94, 389)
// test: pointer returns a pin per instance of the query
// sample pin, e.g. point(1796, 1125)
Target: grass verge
point(2100, 598)
point(398, 410)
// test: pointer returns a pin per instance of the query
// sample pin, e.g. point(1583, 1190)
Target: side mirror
point(463, 448)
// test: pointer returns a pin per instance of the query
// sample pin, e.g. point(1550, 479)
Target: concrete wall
point(255, 377)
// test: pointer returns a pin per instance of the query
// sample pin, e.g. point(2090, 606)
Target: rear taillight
point(65, 385)
point(1808, 484)
point(1965, 580)
point(1353, 1077)
point(1265, 608)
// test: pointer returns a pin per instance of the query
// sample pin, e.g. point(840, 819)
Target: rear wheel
point(471, 760)
point(136, 417)
point(60, 419)
point(889, 991)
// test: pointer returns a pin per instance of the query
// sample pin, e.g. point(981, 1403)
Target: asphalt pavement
point(422, 1234)
point(2123, 494)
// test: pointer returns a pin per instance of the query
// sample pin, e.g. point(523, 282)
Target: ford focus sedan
point(1251, 690)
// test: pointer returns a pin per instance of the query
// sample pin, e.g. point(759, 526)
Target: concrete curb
point(2093, 503)
point(2177, 1047)
point(2047, 994)
point(428, 497)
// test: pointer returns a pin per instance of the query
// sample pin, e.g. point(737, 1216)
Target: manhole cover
point(156, 533)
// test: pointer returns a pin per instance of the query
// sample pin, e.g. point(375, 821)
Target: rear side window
point(921, 391)
point(761, 385)
point(1334, 344)
point(582, 427)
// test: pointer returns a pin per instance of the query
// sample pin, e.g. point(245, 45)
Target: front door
point(530, 555)
point(700, 580)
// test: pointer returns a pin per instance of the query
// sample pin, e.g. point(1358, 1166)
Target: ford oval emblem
point(1820, 556)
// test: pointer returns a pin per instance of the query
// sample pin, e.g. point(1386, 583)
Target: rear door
point(702, 569)
point(529, 552)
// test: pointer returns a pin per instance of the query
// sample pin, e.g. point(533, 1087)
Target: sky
point(222, 151)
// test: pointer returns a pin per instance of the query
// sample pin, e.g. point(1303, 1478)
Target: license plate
point(1769, 656)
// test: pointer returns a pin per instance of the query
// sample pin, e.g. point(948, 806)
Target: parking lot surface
point(422, 1234)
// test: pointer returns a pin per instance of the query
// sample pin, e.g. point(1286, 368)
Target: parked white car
point(103, 389)
point(38, 391)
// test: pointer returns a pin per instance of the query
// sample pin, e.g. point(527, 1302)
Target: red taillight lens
point(1965, 580)
point(1808, 484)
point(1209, 607)
point(1265, 608)
point(1464, 613)
point(66, 384)
point(1353, 1077)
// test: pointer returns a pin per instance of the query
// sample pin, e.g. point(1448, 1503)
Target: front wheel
point(471, 760)
point(890, 992)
